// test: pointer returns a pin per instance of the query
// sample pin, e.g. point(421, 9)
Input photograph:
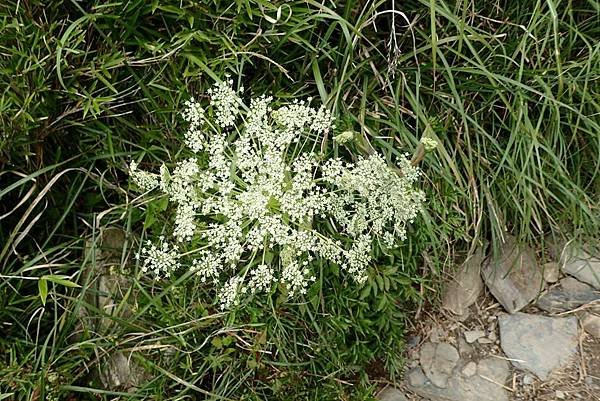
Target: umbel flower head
point(255, 207)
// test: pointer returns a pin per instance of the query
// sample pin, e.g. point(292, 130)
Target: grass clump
point(509, 91)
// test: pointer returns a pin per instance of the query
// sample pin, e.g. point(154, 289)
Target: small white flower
point(208, 267)
point(344, 137)
point(296, 278)
point(225, 102)
point(160, 259)
point(185, 223)
point(262, 278)
point(429, 143)
point(144, 180)
point(229, 294)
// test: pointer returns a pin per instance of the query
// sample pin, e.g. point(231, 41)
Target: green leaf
point(251, 364)
point(155, 208)
point(43, 290)
point(60, 280)
point(217, 342)
point(382, 303)
point(380, 283)
point(365, 291)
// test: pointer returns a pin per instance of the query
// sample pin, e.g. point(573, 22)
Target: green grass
point(510, 89)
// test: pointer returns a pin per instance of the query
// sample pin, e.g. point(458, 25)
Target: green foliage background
point(510, 89)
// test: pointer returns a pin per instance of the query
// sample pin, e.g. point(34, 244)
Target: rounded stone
point(470, 369)
point(438, 361)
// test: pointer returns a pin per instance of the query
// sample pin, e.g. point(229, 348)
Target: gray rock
point(495, 369)
point(582, 265)
point(111, 242)
point(528, 380)
point(591, 324)
point(568, 295)
point(473, 335)
point(438, 361)
point(112, 295)
point(106, 249)
point(470, 369)
point(464, 348)
point(538, 344)
point(463, 291)
point(413, 341)
point(110, 292)
point(121, 373)
point(485, 385)
point(592, 382)
point(437, 334)
point(416, 377)
point(513, 277)
point(391, 393)
point(111, 299)
point(551, 272)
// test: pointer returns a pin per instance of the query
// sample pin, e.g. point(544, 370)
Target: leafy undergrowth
point(509, 89)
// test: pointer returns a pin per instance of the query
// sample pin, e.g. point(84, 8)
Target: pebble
point(470, 369)
point(464, 348)
point(438, 361)
point(391, 393)
point(485, 385)
point(589, 380)
point(436, 334)
point(591, 324)
point(413, 341)
point(560, 394)
point(473, 335)
point(527, 380)
point(416, 377)
point(551, 272)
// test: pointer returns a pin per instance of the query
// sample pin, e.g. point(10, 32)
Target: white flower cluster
point(144, 180)
point(160, 259)
point(194, 115)
point(429, 143)
point(259, 193)
point(225, 102)
point(344, 137)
